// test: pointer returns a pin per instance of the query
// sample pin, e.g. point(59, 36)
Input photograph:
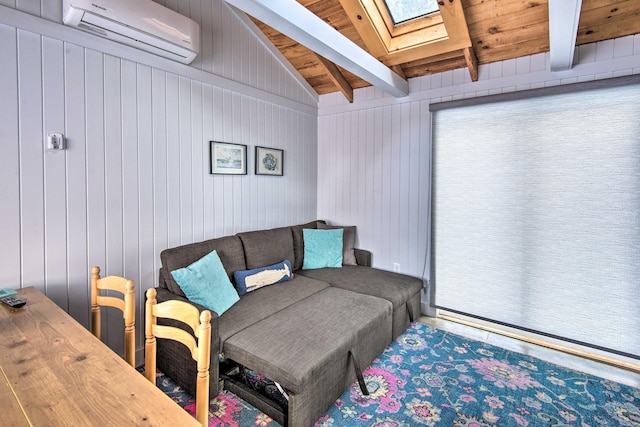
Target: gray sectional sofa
point(310, 335)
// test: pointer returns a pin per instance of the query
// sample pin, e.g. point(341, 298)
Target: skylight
point(406, 10)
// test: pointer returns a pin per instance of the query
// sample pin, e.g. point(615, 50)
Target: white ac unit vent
point(140, 23)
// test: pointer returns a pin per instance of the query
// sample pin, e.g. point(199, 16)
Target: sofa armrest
point(161, 282)
point(174, 359)
point(363, 257)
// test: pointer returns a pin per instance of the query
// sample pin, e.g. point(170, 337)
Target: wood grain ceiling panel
point(602, 20)
point(498, 30)
point(490, 10)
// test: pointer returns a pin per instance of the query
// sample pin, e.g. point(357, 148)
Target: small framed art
point(228, 159)
point(269, 161)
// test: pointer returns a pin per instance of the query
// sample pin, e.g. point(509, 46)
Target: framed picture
point(228, 159)
point(269, 161)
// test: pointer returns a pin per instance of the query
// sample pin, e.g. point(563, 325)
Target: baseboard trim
point(629, 366)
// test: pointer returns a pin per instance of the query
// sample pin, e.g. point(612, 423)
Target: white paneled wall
point(135, 177)
point(373, 173)
point(228, 49)
point(374, 162)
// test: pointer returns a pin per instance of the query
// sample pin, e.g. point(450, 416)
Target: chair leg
point(150, 359)
point(95, 321)
point(202, 385)
point(129, 323)
point(150, 345)
point(130, 346)
point(202, 399)
point(95, 308)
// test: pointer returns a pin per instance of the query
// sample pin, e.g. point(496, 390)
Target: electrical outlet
point(396, 267)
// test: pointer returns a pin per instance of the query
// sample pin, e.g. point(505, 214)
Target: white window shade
point(536, 211)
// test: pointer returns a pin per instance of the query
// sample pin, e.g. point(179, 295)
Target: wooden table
point(54, 372)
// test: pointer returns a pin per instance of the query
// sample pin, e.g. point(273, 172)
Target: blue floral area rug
point(226, 409)
point(429, 377)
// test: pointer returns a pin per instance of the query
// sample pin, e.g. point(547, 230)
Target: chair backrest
point(126, 304)
point(200, 324)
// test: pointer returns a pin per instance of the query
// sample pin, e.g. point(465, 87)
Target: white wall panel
point(30, 6)
point(31, 164)
point(113, 155)
point(135, 179)
point(387, 195)
point(10, 160)
point(198, 161)
point(208, 205)
point(160, 163)
point(54, 174)
point(130, 190)
point(206, 59)
point(218, 181)
point(184, 136)
point(173, 162)
point(113, 182)
point(145, 189)
point(52, 11)
point(95, 160)
point(76, 183)
point(245, 185)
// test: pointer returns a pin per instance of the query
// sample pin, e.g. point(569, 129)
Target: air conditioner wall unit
point(140, 23)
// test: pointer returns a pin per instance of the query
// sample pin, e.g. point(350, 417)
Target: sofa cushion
point(264, 302)
point(266, 247)
point(348, 242)
point(299, 343)
point(395, 287)
point(205, 282)
point(298, 241)
point(229, 250)
point(322, 248)
point(251, 280)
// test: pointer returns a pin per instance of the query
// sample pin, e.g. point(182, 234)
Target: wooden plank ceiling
point(492, 30)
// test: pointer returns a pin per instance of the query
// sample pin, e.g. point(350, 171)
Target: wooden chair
point(200, 351)
point(127, 305)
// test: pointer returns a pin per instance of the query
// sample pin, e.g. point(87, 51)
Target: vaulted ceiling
point(465, 34)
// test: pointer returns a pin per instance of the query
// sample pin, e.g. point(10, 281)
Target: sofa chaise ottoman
point(310, 335)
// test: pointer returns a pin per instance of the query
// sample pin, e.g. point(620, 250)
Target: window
point(406, 10)
point(417, 30)
point(536, 211)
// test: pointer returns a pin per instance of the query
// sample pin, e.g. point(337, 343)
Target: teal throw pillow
point(205, 282)
point(250, 280)
point(322, 248)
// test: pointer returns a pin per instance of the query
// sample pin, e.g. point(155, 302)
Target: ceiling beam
point(336, 77)
point(564, 16)
point(472, 63)
point(294, 20)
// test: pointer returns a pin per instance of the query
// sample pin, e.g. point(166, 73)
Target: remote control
point(13, 302)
